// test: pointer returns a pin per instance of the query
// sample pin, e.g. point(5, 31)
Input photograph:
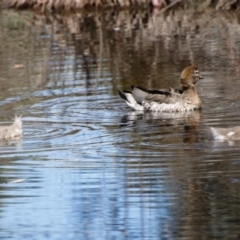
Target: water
point(87, 167)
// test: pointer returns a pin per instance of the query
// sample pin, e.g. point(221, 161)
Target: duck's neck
point(191, 89)
point(190, 97)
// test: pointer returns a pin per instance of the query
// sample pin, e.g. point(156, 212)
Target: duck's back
point(232, 133)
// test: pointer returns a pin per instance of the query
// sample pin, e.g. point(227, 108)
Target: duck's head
point(189, 77)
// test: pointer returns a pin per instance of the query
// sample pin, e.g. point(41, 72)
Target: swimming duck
point(167, 100)
point(12, 131)
point(229, 134)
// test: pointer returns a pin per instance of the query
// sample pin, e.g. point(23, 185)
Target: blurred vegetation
point(79, 4)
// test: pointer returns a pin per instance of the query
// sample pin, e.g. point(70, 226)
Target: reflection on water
point(89, 167)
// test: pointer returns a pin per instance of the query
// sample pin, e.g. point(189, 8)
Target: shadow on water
point(89, 167)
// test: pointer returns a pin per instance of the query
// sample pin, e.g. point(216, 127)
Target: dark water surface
point(88, 167)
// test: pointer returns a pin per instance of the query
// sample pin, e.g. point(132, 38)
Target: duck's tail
point(18, 120)
point(221, 134)
point(130, 100)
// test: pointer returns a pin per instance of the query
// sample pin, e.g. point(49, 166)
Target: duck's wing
point(167, 96)
point(140, 96)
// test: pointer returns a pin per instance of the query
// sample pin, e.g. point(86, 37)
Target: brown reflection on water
point(139, 46)
point(61, 73)
point(203, 188)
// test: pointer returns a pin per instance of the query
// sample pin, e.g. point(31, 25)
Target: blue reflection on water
point(84, 199)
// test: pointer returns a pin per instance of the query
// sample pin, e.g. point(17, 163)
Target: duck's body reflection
point(189, 121)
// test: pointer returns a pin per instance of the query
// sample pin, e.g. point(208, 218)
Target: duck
point(229, 134)
point(167, 100)
point(13, 131)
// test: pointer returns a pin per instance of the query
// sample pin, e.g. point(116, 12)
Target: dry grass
point(79, 4)
point(73, 4)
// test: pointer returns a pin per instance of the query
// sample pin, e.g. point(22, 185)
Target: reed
point(79, 4)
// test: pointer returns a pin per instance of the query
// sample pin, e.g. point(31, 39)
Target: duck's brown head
point(189, 76)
